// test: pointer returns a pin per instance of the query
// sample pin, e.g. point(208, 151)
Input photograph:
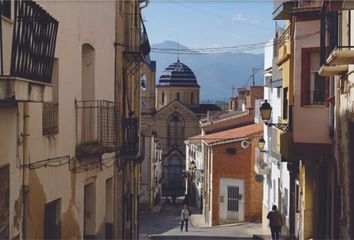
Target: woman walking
point(184, 217)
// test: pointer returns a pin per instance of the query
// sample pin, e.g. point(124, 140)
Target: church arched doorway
point(175, 178)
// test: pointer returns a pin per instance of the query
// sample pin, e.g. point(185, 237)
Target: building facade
point(63, 163)
point(232, 193)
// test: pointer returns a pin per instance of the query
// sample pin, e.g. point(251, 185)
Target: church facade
point(173, 119)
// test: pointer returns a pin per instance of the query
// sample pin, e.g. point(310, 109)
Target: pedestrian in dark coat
point(275, 222)
point(184, 217)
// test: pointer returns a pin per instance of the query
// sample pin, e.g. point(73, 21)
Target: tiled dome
point(178, 75)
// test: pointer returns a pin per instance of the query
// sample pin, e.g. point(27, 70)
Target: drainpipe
point(25, 170)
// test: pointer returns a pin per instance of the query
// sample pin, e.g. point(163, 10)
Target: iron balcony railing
point(33, 42)
point(95, 127)
point(131, 138)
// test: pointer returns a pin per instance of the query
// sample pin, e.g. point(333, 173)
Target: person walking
point(184, 217)
point(275, 222)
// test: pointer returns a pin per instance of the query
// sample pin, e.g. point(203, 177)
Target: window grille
point(233, 197)
point(50, 118)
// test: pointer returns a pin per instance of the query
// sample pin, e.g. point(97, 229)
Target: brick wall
point(238, 166)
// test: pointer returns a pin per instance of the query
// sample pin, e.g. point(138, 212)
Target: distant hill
point(216, 73)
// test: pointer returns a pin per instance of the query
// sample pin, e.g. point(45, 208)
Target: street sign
point(259, 178)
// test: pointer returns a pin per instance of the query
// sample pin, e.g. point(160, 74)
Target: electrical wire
point(228, 49)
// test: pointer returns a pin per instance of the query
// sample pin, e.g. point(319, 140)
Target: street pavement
point(165, 224)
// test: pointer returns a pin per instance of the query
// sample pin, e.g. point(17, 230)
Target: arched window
point(175, 130)
point(143, 82)
point(162, 98)
point(88, 73)
point(192, 98)
point(88, 118)
point(177, 96)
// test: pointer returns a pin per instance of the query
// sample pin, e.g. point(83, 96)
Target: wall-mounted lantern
point(266, 113)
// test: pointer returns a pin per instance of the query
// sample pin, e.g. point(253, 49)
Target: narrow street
point(165, 224)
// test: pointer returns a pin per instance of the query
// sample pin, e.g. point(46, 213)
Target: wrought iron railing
point(50, 114)
point(309, 3)
point(6, 8)
point(95, 127)
point(33, 42)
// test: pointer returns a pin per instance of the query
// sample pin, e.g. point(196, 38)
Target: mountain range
point(217, 74)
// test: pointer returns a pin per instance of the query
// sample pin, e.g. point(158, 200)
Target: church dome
point(178, 75)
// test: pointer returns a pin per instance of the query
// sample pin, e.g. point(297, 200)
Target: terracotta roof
point(229, 123)
point(231, 134)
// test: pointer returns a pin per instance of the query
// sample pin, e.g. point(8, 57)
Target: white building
point(195, 156)
point(276, 185)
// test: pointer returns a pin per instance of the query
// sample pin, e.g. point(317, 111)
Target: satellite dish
point(245, 144)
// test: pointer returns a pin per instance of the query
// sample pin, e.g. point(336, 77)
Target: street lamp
point(192, 167)
point(266, 112)
point(261, 143)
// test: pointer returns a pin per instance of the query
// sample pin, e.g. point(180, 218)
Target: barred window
point(50, 110)
point(50, 118)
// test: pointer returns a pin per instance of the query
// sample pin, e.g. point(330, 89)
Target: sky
point(209, 23)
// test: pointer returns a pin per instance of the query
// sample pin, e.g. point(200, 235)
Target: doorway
point(89, 211)
point(231, 199)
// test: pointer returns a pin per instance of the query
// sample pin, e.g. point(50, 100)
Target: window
point(162, 98)
point(192, 98)
point(52, 214)
point(177, 96)
point(143, 82)
point(285, 103)
point(50, 110)
point(175, 130)
point(278, 92)
point(231, 151)
point(313, 86)
point(317, 92)
point(6, 8)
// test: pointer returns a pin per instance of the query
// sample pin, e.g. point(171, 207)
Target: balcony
point(341, 55)
point(131, 138)
point(140, 54)
point(261, 167)
point(282, 9)
point(333, 70)
point(26, 75)
point(95, 128)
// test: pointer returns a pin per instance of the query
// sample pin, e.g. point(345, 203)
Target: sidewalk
point(242, 228)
